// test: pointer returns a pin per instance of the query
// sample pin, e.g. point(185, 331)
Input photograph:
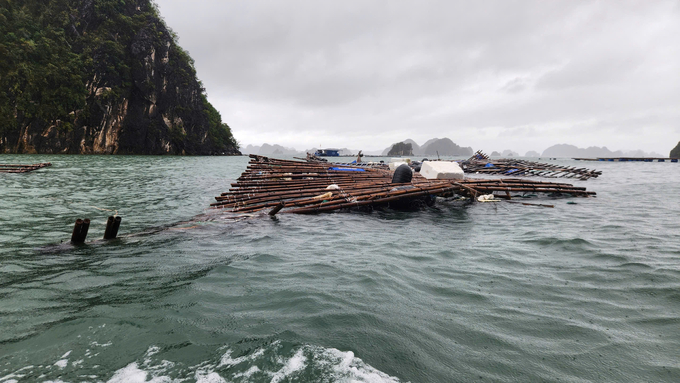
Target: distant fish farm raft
point(629, 159)
point(13, 168)
point(482, 164)
point(288, 186)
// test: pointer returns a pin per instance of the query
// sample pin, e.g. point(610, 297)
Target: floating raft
point(312, 187)
point(628, 159)
point(482, 164)
point(12, 168)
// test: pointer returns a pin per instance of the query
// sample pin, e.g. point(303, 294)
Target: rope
point(102, 209)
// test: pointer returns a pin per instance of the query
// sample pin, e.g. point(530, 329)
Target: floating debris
point(288, 186)
point(14, 168)
point(482, 164)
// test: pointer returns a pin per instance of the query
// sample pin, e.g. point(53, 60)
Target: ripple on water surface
point(501, 292)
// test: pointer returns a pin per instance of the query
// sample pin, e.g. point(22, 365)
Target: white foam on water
point(133, 374)
point(211, 377)
point(149, 372)
point(333, 364)
point(295, 363)
point(248, 373)
point(348, 368)
point(152, 350)
point(347, 358)
point(64, 361)
point(227, 359)
point(275, 362)
point(130, 373)
point(9, 378)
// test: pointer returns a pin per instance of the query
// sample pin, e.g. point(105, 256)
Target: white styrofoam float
point(441, 170)
point(401, 159)
point(394, 165)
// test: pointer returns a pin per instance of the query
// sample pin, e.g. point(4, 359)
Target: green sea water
point(492, 292)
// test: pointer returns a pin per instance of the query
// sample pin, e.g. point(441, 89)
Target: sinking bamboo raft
point(14, 168)
point(482, 164)
point(312, 187)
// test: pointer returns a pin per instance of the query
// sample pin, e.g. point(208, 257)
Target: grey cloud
point(515, 85)
point(441, 65)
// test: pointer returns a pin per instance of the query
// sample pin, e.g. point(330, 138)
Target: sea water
point(587, 291)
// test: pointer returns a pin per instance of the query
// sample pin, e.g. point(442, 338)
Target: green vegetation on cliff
point(675, 153)
point(401, 149)
point(100, 76)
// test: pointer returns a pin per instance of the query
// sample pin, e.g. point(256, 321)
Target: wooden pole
point(80, 230)
point(112, 225)
point(276, 209)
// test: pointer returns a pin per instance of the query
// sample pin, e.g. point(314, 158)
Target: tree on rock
point(401, 149)
point(101, 77)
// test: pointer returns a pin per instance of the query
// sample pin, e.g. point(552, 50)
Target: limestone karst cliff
point(442, 146)
point(100, 77)
point(675, 152)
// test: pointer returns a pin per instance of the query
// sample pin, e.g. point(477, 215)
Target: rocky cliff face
point(443, 146)
point(675, 152)
point(138, 92)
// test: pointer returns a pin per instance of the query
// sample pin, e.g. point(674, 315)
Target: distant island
point(675, 152)
point(432, 147)
point(446, 147)
point(275, 149)
point(401, 149)
point(100, 77)
point(506, 154)
point(269, 150)
point(443, 146)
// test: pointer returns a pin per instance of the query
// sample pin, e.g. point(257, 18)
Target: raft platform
point(289, 186)
point(628, 159)
point(482, 164)
point(15, 168)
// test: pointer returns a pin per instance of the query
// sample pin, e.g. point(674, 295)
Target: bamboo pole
point(80, 230)
point(112, 226)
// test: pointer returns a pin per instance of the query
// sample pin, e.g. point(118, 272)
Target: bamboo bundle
point(311, 187)
point(17, 168)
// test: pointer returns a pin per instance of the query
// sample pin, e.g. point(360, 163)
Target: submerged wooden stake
point(80, 230)
point(276, 209)
point(112, 225)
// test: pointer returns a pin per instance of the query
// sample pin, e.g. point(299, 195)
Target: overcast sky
point(493, 75)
